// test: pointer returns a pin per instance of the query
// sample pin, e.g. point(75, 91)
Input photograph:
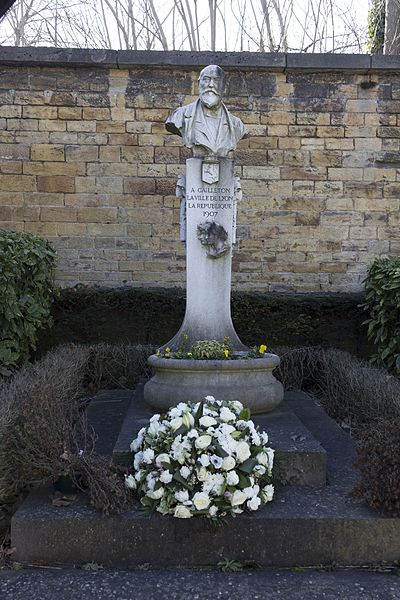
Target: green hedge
point(382, 287)
point(27, 287)
point(153, 316)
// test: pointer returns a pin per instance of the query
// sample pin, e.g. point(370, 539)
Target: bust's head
point(211, 86)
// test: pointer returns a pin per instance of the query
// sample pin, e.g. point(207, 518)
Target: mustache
point(210, 91)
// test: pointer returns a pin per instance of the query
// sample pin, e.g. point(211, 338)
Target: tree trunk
point(392, 27)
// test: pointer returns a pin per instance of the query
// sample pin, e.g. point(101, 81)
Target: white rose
point(226, 414)
point(238, 497)
point(130, 482)
point(201, 500)
point(184, 471)
point(207, 421)
point(254, 503)
point(203, 441)
point(232, 478)
point(176, 423)
point(228, 463)
point(204, 460)
point(182, 496)
point(162, 458)
point(242, 451)
point(166, 477)
point(156, 494)
point(267, 493)
point(182, 512)
point(188, 420)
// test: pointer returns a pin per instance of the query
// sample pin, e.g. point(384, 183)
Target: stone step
point(300, 458)
point(303, 525)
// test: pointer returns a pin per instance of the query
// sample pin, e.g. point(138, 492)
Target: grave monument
point(209, 193)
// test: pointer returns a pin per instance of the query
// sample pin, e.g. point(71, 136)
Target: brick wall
point(87, 163)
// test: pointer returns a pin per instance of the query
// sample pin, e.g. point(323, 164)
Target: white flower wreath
point(204, 459)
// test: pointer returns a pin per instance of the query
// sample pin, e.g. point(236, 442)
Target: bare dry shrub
point(120, 365)
point(43, 430)
point(379, 463)
point(39, 409)
point(349, 388)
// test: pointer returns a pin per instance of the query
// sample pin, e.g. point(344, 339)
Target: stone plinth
point(249, 381)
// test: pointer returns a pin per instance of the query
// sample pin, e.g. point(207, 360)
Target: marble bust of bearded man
point(206, 125)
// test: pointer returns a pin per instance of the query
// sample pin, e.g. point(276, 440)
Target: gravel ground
point(51, 584)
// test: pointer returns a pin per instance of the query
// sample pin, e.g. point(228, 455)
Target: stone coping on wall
point(274, 61)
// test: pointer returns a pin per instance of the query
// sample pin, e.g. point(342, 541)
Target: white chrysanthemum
point(185, 471)
point(148, 455)
point(166, 477)
point(213, 510)
point(182, 496)
point(193, 433)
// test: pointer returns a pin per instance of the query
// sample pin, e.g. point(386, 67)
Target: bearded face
point(210, 88)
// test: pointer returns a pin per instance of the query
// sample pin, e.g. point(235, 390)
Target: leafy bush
point(27, 287)
point(379, 464)
point(382, 287)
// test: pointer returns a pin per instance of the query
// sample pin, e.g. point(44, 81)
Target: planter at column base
point(250, 381)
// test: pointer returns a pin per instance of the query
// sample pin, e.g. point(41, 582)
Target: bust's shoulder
point(174, 122)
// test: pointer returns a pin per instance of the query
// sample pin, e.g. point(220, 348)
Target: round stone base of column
point(250, 381)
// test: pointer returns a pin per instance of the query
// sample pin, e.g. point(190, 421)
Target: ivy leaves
point(27, 288)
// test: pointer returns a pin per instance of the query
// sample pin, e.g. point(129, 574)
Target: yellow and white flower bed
point(206, 458)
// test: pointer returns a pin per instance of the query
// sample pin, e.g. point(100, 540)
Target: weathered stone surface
point(302, 526)
point(78, 114)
